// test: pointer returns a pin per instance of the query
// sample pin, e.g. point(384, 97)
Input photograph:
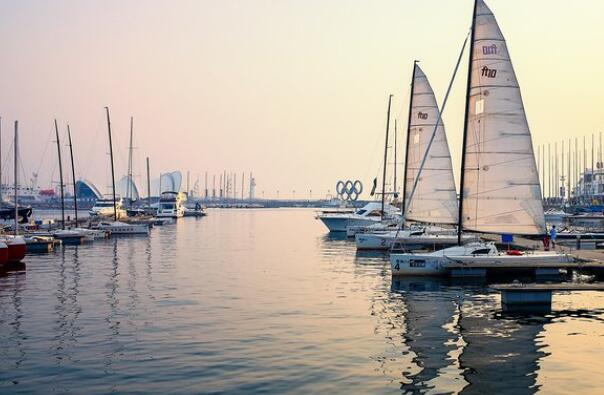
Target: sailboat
point(373, 213)
point(500, 192)
point(7, 211)
point(15, 244)
point(116, 227)
point(434, 198)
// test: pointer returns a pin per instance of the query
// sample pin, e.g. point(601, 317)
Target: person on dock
point(552, 236)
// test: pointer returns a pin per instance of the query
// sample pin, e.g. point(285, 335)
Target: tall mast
point(16, 178)
point(148, 184)
point(75, 197)
point(465, 127)
point(60, 177)
point(404, 199)
point(242, 183)
point(386, 155)
point(539, 163)
point(1, 159)
point(188, 176)
point(111, 159)
point(591, 191)
point(562, 170)
point(549, 169)
point(395, 148)
point(129, 185)
point(568, 171)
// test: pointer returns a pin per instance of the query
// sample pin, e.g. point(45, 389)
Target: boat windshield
point(481, 251)
point(167, 206)
point(100, 203)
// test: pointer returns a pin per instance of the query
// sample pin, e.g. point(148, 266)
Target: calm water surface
point(265, 302)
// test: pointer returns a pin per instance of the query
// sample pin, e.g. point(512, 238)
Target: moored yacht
point(369, 214)
point(171, 205)
point(106, 208)
point(122, 228)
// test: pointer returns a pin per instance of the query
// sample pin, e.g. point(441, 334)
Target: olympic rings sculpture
point(349, 190)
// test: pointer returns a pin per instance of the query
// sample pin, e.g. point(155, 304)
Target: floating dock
point(519, 297)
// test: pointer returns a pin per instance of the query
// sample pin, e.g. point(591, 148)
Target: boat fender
point(514, 252)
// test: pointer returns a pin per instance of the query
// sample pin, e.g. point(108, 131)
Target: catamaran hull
point(430, 265)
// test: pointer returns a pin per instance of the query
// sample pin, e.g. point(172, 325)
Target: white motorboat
point(69, 236)
point(105, 208)
point(171, 205)
point(122, 228)
point(437, 263)
point(500, 189)
point(369, 214)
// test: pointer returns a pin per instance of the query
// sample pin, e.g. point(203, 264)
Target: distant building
point(86, 190)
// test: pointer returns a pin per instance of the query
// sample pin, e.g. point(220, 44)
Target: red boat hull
point(16, 250)
point(3, 254)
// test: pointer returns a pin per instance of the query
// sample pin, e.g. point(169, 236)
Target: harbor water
point(266, 302)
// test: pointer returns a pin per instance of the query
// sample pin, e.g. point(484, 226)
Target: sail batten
point(501, 191)
point(435, 196)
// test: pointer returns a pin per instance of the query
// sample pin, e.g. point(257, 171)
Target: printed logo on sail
point(489, 49)
point(422, 115)
point(489, 73)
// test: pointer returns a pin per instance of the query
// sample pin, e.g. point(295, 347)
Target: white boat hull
point(340, 223)
point(384, 241)
point(439, 263)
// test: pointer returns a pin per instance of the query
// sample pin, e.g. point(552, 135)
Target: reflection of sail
point(500, 355)
point(431, 333)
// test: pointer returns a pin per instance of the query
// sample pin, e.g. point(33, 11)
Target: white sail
point(435, 197)
point(501, 191)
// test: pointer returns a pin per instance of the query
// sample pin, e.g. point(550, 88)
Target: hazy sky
point(294, 90)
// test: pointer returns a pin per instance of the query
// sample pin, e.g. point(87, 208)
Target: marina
point(311, 198)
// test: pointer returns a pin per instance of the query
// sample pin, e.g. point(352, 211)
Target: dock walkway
point(517, 296)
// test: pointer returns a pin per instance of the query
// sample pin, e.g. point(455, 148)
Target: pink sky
point(294, 90)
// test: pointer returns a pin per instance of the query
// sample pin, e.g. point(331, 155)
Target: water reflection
point(227, 304)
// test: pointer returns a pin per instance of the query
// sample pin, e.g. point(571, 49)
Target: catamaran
point(500, 190)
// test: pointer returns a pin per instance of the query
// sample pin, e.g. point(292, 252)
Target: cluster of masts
point(227, 187)
point(572, 170)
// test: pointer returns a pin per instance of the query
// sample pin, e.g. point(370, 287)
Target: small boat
point(437, 263)
point(7, 213)
point(16, 247)
point(122, 228)
point(40, 244)
point(197, 211)
point(70, 236)
point(367, 215)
